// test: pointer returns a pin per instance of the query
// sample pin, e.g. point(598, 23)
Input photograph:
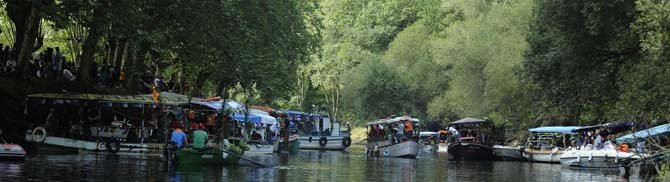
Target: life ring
point(113, 146)
point(323, 141)
point(386, 153)
point(39, 138)
point(346, 141)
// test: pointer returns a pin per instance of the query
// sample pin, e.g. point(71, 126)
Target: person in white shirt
point(68, 75)
point(454, 134)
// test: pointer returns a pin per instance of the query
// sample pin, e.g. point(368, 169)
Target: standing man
point(455, 136)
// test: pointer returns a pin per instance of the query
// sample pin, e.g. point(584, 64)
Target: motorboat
point(504, 152)
point(474, 143)
point(546, 144)
point(588, 157)
point(379, 144)
point(318, 132)
point(10, 151)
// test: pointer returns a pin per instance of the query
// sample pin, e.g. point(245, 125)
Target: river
point(305, 166)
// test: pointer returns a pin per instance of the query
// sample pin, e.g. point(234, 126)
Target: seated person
point(179, 137)
point(200, 139)
point(255, 136)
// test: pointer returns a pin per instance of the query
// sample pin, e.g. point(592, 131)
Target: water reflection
point(305, 166)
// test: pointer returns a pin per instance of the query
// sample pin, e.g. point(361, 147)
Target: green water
point(350, 165)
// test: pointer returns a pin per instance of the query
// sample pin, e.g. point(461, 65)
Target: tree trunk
point(28, 42)
point(111, 47)
point(94, 34)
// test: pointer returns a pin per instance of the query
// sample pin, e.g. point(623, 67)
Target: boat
point(607, 157)
point(542, 145)
point(381, 145)
point(134, 136)
point(474, 143)
point(503, 152)
point(293, 143)
point(429, 141)
point(10, 151)
point(318, 132)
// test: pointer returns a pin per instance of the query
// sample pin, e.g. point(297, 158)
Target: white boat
point(608, 157)
point(543, 155)
point(507, 152)
point(407, 149)
point(261, 149)
point(325, 142)
point(442, 148)
point(327, 138)
point(540, 146)
point(84, 146)
point(9, 151)
point(386, 148)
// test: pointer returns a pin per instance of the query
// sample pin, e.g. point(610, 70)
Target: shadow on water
point(351, 165)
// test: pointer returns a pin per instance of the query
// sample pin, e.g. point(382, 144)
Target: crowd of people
point(394, 133)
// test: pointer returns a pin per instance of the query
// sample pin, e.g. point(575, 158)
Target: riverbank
point(358, 135)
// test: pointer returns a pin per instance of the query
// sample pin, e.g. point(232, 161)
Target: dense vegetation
point(522, 63)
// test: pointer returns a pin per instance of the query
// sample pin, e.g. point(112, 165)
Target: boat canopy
point(652, 132)
point(393, 120)
point(165, 98)
point(428, 133)
point(554, 129)
point(613, 127)
point(249, 118)
point(264, 116)
point(467, 122)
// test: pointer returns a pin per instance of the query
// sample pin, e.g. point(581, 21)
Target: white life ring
point(39, 138)
point(386, 153)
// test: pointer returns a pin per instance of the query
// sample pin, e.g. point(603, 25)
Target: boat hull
point(12, 152)
point(407, 149)
point(312, 143)
point(190, 156)
point(543, 156)
point(507, 152)
point(596, 158)
point(261, 149)
point(60, 144)
point(471, 151)
point(294, 145)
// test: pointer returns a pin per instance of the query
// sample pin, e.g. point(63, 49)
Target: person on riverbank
point(179, 137)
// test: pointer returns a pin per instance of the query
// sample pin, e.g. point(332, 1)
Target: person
point(10, 66)
point(454, 134)
point(409, 129)
point(52, 121)
point(179, 137)
point(598, 141)
point(401, 132)
point(255, 136)
point(200, 139)
point(67, 75)
point(58, 57)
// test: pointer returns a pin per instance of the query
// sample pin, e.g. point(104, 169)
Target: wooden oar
point(253, 162)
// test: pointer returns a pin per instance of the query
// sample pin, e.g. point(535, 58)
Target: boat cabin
point(473, 130)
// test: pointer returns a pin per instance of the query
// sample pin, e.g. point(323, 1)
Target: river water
point(350, 165)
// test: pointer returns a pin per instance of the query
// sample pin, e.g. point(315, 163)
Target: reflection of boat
point(546, 144)
point(475, 145)
point(380, 145)
point(608, 157)
point(507, 152)
point(205, 157)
